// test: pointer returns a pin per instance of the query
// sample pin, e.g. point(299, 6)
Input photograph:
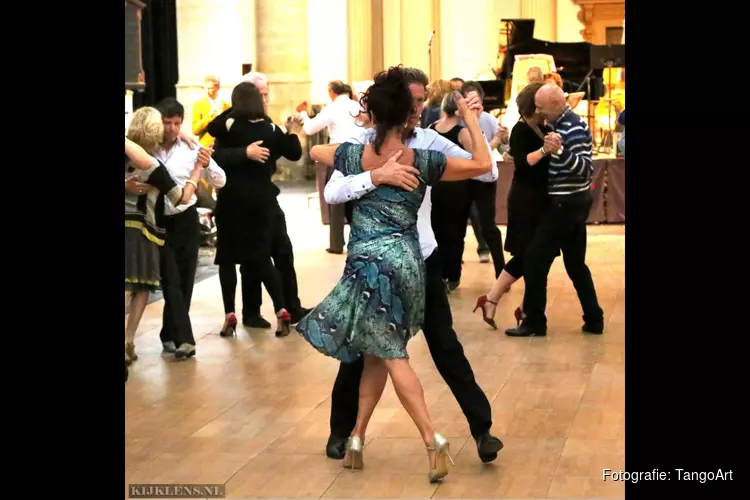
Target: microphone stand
point(587, 83)
point(429, 54)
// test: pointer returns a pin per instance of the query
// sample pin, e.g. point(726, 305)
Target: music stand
point(606, 57)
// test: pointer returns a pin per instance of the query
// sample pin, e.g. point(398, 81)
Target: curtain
point(159, 32)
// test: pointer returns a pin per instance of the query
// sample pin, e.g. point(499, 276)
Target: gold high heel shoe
point(441, 447)
point(354, 458)
point(130, 354)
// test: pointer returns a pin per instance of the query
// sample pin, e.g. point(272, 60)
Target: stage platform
point(608, 181)
point(252, 412)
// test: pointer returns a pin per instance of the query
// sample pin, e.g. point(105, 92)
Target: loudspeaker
point(135, 79)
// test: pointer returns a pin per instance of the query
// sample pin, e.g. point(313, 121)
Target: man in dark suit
point(282, 252)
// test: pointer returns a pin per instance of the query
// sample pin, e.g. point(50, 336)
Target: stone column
point(469, 50)
point(282, 47)
point(359, 16)
point(209, 41)
point(391, 33)
point(377, 35)
point(248, 34)
point(568, 26)
point(283, 56)
point(327, 46)
point(545, 13)
point(416, 26)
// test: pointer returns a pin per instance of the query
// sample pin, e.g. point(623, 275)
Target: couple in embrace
point(391, 274)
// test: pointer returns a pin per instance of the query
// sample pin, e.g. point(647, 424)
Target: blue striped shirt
point(570, 172)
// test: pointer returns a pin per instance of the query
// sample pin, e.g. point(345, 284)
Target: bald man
point(564, 226)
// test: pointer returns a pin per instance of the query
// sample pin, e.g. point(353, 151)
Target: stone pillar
point(377, 36)
point(202, 51)
point(359, 16)
point(416, 26)
point(283, 56)
point(282, 48)
point(327, 46)
point(568, 26)
point(545, 13)
point(469, 50)
point(248, 35)
point(391, 33)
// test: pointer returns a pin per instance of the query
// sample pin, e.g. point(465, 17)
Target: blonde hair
point(146, 128)
point(436, 92)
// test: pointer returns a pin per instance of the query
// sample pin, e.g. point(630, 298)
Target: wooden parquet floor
point(252, 412)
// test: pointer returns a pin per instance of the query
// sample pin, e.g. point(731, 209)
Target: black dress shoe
point(336, 447)
point(595, 328)
point(526, 331)
point(256, 322)
point(487, 447)
point(299, 314)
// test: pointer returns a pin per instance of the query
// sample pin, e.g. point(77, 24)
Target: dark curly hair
point(525, 99)
point(388, 101)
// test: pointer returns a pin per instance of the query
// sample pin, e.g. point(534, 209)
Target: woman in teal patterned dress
point(378, 305)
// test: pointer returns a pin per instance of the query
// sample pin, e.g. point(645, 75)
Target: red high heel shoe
point(230, 326)
point(481, 301)
point(518, 313)
point(286, 324)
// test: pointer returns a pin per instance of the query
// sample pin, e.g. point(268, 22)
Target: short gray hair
point(536, 74)
point(254, 77)
point(449, 105)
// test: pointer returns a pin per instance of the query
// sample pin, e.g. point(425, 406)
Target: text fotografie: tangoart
point(660, 475)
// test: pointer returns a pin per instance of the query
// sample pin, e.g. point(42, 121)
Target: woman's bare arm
point(140, 158)
point(324, 153)
point(481, 163)
point(464, 137)
point(536, 156)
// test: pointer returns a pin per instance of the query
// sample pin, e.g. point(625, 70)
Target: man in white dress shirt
point(447, 351)
point(339, 118)
point(179, 255)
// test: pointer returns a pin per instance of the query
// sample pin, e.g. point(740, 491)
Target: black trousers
point(562, 229)
point(476, 226)
point(265, 272)
point(283, 259)
point(514, 266)
point(447, 353)
point(452, 206)
point(450, 210)
point(179, 261)
point(484, 195)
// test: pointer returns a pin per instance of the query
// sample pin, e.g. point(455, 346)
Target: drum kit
point(609, 107)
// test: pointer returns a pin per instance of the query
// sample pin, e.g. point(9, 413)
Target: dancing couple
point(548, 205)
point(379, 303)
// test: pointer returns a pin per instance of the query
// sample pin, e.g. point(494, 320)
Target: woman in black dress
point(144, 214)
point(245, 205)
point(527, 200)
point(450, 200)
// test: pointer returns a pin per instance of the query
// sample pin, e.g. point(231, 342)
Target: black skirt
point(244, 229)
point(527, 204)
point(142, 271)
